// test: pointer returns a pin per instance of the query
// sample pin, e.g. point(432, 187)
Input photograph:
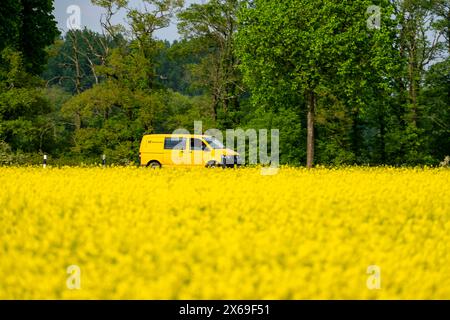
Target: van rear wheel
point(154, 165)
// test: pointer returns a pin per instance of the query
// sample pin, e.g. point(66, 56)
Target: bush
point(6, 156)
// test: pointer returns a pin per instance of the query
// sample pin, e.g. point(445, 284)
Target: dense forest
point(346, 82)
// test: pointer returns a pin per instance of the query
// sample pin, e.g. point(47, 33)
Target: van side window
point(175, 143)
point(197, 144)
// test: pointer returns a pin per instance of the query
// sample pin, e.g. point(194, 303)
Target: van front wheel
point(154, 165)
point(212, 164)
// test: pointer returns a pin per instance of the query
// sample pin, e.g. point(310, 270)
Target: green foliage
point(296, 49)
point(212, 27)
point(174, 64)
point(379, 96)
point(10, 23)
point(435, 99)
point(74, 60)
point(38, 30)
point(28, 26)
point(23, 106)
point(6, 156)
point(289, 122)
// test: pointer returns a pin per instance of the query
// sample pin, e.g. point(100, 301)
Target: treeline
point(345, 82)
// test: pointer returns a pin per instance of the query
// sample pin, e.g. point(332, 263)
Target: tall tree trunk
point(412, 69)
point(356, 135)
point(382, 138)
point(310, 138)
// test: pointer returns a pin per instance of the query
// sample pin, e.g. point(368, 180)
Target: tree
point(74, 59)
point(28, 26)
point(435, 99)
point(124, 100)
point(416, 22)
point(419, 45)
point(38, 30)
point(441, 8)
point(112, 7)
point(10, 26)
point(304, 50)
point(212, 26)
point(144, 22)
point(23, 105)
point(173, 66)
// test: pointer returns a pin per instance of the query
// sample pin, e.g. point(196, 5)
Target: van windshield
point(214, 143)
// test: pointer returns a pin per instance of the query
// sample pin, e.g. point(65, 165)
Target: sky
point(90, 16)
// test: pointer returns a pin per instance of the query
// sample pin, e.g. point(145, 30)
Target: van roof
point(177, 135)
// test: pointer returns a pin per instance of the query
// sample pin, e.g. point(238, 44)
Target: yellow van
point(158, 150)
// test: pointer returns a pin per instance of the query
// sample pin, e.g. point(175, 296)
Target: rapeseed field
point(135, 233)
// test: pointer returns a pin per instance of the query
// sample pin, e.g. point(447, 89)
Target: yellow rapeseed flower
point(135, 233)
